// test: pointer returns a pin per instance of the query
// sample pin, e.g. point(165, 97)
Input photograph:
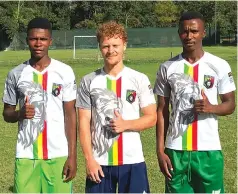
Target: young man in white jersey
point(45, 90)
point(109, 101)
point(191, 158)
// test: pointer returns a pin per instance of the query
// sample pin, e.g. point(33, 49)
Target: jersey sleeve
point(226, 82)
point(146, 96)
point(161, 87)
point(69, 88)
point(83, 99)
point(10, 95)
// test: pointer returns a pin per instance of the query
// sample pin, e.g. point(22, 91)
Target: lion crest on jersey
point(184, 93)
point(30, 129)
point(104, 102)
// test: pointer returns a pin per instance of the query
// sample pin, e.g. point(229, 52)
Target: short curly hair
point(110, 29)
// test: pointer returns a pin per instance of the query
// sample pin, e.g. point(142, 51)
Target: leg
point(27, 176)
point(180, 182)
point(208, 167)
point(52, 179)
point(132, 178)
point(108, 182)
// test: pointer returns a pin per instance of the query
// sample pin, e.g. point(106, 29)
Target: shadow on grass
point(11, 189)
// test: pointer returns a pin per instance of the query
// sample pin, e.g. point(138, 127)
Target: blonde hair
point(111, 29)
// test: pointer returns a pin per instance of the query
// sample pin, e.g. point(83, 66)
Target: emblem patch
point(230, 77)
point(208, 81)
point(56, 88)
point(151, 90)
point(130, 96)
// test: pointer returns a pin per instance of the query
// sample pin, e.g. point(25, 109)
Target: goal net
point(86, 47)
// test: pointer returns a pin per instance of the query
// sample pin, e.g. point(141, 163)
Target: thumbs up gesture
point(28, 110)
point(203, 105)
point(117, 124)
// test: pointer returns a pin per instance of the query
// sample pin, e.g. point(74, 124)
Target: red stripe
point(44, 141)
point(194, 124)
point(195, 73)
point(120, 150)
point(120, 139)
point(118, 85)
point(44, 133)
point(195, 134)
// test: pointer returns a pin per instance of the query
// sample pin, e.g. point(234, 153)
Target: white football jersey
point(102, 94)
point(42, 137)
point(183, 83)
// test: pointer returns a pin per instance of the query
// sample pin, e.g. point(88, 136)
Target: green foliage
point(166, 12)
point(65, 15)
point(227, 17)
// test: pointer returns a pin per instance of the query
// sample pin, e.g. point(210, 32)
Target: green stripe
point(110, 152)
point(35, 150)
point(35, 77)
point(35, 145)
point(109, 84)
point(186, 68)
point(110, 156)
point(184, 139)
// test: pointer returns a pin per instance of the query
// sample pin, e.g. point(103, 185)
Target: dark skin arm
point(226, 107)
point(11, 115)
point(161, 131)
point(70, 166)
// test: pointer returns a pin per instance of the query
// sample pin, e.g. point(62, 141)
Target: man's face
point(112, 50)
point(191, 33)
point(39, 41)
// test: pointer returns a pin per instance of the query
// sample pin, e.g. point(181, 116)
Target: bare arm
point(84, 118)
point(93, 169)
point(161, 131)
point(147, 120)
point(70, 128)
point(226, 107)
point(162, 122)
point(11, 115)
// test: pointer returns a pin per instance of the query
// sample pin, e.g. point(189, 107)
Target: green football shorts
point(40, 176)
point(195, 172)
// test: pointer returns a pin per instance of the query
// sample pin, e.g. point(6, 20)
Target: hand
point(93, 170)
point(27, 111)
point(69, 170)
point(118, 125)
point(202, 106)
point(165, 165)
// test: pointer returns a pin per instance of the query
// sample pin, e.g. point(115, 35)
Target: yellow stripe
point(114, 89)
point(190, 71)
point(39, 141)
point(115, 153)
point(189, 137)
point(40, 77)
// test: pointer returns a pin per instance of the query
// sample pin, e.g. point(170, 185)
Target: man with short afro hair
point(45, 90)
point(188, 144)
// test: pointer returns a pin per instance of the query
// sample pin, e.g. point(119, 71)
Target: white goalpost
point(86, 47)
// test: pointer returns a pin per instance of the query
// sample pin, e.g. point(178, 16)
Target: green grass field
point(145, 60)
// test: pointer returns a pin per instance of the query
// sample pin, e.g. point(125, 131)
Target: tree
point(166, 13)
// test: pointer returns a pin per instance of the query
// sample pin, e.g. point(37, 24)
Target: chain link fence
point(137, 38)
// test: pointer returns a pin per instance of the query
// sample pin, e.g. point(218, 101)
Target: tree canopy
point(65, 15)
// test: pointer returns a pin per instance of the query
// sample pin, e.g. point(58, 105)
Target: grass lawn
point(145, 60)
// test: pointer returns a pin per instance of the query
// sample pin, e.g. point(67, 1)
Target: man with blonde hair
point(109, 101)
